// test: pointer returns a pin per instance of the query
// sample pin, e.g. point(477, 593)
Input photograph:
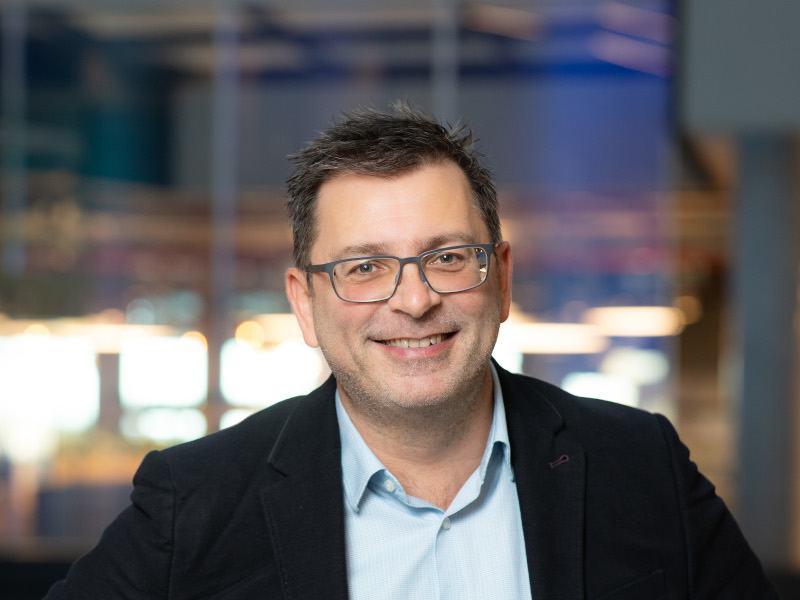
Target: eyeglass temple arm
point(316, 268)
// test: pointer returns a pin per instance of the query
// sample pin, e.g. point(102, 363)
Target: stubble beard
point(413, 412)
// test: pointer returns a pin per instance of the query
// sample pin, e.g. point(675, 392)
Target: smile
point(417, 342)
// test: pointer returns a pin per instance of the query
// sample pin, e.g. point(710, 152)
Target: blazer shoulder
point(259, 428)
point(242, 449)
point(585, 418)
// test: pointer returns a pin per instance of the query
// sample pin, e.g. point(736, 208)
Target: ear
point(299, 295)
point(504, 269)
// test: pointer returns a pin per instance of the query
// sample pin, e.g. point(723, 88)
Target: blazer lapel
point(304, 502)
point(549, 472)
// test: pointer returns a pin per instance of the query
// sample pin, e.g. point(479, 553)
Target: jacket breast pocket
point(649, 587)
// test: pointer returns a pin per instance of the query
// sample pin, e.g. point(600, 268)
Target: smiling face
point(418, 349)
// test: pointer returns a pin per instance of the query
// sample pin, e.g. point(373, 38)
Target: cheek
point(336, 320)
point(484, 314)
point(479, 304)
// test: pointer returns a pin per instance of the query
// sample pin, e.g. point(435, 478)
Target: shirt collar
point(498, 433)
point(359, 463)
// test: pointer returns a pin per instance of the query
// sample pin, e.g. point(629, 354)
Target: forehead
point(397, 212)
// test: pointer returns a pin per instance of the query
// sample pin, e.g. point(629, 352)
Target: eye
point(447, 259)
point(359, 268)
point(362, 269)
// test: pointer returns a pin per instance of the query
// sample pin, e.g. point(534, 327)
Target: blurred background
point(646, 159)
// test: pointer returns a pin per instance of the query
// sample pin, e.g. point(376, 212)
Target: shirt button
point(388, 485)
point(446, 524)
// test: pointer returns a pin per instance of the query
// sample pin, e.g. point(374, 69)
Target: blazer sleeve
point(132, 559)
point(721, 564)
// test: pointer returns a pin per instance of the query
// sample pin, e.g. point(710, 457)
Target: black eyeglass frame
point(417, 260)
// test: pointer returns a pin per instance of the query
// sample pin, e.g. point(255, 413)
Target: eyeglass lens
point(448, 270)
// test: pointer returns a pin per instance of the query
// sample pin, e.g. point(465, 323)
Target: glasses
point(375, 278)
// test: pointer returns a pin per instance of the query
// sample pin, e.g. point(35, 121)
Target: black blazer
point(612, 509)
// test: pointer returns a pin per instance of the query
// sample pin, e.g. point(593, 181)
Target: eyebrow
point(380, 249)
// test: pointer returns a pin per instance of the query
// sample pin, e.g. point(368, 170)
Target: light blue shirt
point(404, 548)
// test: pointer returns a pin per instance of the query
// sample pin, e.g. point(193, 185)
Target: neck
point(431, 449)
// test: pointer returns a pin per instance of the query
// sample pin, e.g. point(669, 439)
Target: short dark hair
point(368, 142)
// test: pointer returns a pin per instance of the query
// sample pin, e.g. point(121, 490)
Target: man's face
point(427, 208)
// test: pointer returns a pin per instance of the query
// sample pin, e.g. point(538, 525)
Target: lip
point(429, 351)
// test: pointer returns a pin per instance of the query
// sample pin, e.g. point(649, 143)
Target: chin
point(422, 390)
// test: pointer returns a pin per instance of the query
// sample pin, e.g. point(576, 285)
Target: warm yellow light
point(105, 330)
point(551, 338)
point(197, 337)
point(108, 338)
point(250, 332)
point(636, 321)
point(691, 307)
point(36, 329)
point(260, 376)
point(109, 315)
point(279, 327)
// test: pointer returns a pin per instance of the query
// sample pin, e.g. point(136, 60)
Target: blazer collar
point(304, 502)
point(549, 471)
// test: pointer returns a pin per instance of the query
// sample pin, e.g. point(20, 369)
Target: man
point(420, 469)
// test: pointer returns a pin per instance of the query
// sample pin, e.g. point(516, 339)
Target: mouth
point(423, 342)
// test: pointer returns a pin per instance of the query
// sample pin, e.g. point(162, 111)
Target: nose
point(413, 296)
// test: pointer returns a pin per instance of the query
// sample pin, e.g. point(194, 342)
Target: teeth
point(415, 343)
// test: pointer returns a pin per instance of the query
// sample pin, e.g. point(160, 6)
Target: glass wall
point(144, 237)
